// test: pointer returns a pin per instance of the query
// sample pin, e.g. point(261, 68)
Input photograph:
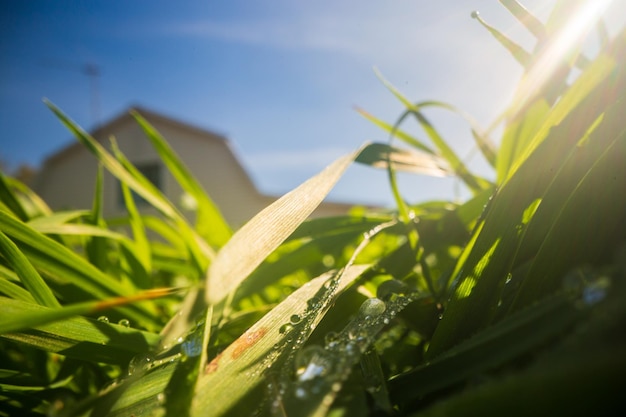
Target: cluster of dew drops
point(319, 369)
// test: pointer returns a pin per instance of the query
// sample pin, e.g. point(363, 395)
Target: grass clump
point(508, 303)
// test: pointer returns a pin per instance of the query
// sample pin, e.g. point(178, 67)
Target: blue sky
point(279, 78)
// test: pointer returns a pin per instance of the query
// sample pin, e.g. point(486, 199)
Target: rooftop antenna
point(92, 71)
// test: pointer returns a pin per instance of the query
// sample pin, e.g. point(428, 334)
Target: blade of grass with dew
point(210, 223)
point(238, 372)
point(142, 186)
point(27, 273)
point(268, 229)
point(78, 337)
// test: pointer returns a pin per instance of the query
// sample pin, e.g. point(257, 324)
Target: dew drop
point(139, 363)
point(331, 340)
point(124, 322)
point(295, 319)
point(372, 307)
point(475, 14)
point(103, 319)
point(161, 398)
point(285, 328)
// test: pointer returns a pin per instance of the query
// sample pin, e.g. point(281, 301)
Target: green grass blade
point(10, 288)
point(520, 54)
point(268, 229)
point(493, 252)
point(488, 349)
point(210, 223)
point(64, 265)
point(77, 337)
point(7, 196)
point(589, 82)
point(522, 14)
point(27, 273)
point(395, 132)
point(96, 246)
point(574, 212)
point(142, 186)
point(475, 183)
point(141, 249)
point(29, 318)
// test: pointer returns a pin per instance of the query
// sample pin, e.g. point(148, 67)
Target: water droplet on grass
point(373, 307)
point(103, 319)
point(295, 319)
point(124, 322)
point(140, 363)
point(285, 328)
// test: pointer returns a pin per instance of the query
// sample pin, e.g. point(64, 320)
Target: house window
point(152, 172)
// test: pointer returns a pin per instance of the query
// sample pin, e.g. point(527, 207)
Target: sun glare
point(578, 24)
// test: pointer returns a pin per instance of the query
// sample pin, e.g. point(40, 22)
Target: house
point(66, 179)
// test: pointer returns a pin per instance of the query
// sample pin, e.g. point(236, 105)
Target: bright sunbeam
point(570, 34)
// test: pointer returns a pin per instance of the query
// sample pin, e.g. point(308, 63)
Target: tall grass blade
point(26, 318)
point(27, 273)
point(210, 223)
point(7, 196)
point(142, 186)
point(64, 265)
point(529, 21)
point(396, 132)
point(523, 57)
point(75, 337)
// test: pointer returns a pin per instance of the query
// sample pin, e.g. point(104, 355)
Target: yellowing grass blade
point(239, 371)
point(251, 244)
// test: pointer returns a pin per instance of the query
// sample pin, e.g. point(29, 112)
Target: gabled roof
point(105, 130)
